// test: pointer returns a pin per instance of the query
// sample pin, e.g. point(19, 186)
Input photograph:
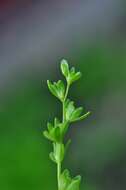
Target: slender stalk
point(58, 174)
point(67, 89)
point(59, 163)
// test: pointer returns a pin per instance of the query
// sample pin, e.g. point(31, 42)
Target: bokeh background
point(34, 37)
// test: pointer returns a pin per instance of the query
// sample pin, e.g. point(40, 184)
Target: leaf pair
point(67, 183)
point(70, 74)
point(59, 150)
point(73, 114)
point(54, 133)
point(57, 89)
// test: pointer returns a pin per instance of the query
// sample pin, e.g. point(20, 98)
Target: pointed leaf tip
point(82, 117)
point(77, 76)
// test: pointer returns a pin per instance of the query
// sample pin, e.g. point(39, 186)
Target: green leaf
point(72, 71)
point(60, 89)
point(69, 109)
point(65, 180)
point(65, 68)
point(47, 135)
point(76, 113)
point(82, 117)
point(67, 102)
point(62, 152)
point(57, 89)
point(66, 183)
point(64, 127)
point(75, 184)
point(73, 114)
point(56, 121)
point(54, 133)
point(59, 152)
point(52, 88)
point(75, 77)
point(57, 134)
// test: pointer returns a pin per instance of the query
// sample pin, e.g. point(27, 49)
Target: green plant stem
point(59, 163)
point(58, 174)
point(67, 89)
point(63, 112)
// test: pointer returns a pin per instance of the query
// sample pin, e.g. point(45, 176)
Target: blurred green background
point(97, 151)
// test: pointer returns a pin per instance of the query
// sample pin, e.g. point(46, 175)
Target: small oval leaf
point(65, 68)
